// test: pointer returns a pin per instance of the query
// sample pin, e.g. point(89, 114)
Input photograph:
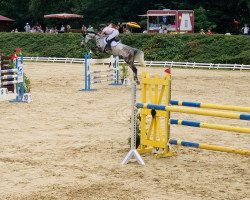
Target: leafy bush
point(181, 47)
point(124, 72)
point(27, 84)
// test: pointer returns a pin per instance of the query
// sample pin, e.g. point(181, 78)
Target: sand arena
point(69, 144)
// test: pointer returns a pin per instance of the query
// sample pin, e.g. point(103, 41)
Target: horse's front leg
point(95, 50)
point(130, 62)
point(134, 69)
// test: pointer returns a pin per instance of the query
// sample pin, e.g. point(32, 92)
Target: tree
point(218, 14)
point(201, 20)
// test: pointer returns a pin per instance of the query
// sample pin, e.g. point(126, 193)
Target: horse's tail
point(139, 56)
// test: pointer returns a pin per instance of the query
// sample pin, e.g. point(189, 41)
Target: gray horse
point(128, 53)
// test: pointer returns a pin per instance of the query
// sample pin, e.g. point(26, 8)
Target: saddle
point(112, 43)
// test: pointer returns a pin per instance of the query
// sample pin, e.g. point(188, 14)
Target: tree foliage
point(214, 14)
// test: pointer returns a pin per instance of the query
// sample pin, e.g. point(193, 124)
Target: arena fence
point(149, 63)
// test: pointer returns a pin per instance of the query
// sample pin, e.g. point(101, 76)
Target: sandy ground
point(69, 144)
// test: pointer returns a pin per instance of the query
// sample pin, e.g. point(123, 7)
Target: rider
point(111, 31)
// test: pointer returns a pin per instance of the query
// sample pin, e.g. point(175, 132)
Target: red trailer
point(181, 21)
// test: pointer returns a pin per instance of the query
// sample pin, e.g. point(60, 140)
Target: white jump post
point(133, 151)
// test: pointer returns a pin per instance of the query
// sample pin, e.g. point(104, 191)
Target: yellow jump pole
point(206, 112)
point(210, 126)
point(209, 147)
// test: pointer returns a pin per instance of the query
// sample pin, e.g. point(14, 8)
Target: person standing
point(161, 29)
point(84, 29)
point(209, 32)
point(90, 29)
point(245, 30)
point(202, 31)
point(62, 29)
point(27, 28)
point(68, 27)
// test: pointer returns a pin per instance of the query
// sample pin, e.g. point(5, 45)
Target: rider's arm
point(103, 32)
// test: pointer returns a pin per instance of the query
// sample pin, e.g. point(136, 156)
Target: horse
point(129, 54)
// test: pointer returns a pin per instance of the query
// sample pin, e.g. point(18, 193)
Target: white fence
point(149, 63)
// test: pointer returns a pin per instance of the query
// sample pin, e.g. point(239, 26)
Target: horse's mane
point(95, 33)
point(92, 32)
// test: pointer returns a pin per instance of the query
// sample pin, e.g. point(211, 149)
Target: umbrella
point(133, 25)
point(3, 18)
point(63, 16)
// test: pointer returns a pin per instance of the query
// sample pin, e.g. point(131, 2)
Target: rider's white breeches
point(113, 34)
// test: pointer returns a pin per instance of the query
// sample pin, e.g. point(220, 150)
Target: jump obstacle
point(11, 80)
point(100, 76)
point(155, 110)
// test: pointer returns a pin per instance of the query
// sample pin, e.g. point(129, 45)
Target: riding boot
point(108, 46)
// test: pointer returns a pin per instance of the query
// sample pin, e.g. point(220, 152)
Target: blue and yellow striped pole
point(210, 106)
point(194, 111)
point(209, 147)
point(210, 126)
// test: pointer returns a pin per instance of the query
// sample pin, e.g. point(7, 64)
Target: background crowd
point(121, 27)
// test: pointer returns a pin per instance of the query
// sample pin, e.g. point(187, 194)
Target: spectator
point(62, 29)
point(227, 33)
point(16, 30)
point(209, 32)
point(33, 30)
point(145, 31)
point(53, 30)
point(127, 31)
point(68, 27)
point(47, 29)
point(202, 31)
point(84, 28)
point(124, 29)
point(245, 30)
point(27, 28)
point(39, 29)
point(236, 25)
point(161, 29)
point(90, 28)
point(120, 28)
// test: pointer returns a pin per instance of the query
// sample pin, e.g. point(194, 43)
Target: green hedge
point(185, 47)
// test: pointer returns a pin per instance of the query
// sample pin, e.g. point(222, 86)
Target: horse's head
point(86, 37)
